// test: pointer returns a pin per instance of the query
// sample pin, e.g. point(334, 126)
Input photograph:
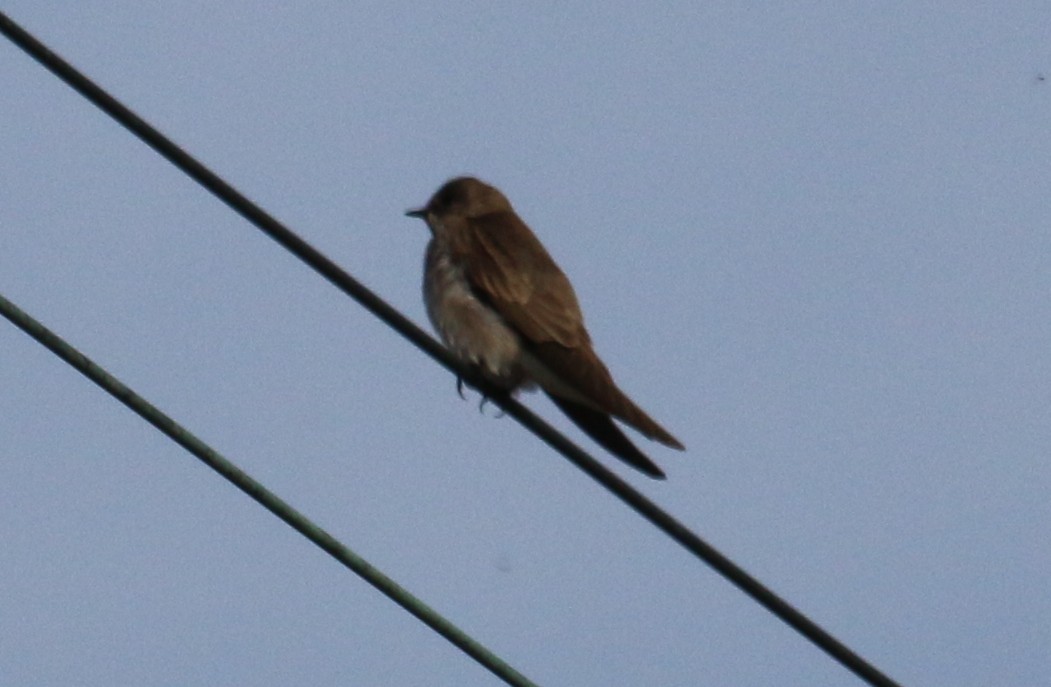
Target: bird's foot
point(460, 384)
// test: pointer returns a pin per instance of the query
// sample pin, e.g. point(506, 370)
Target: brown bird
point(504, 308)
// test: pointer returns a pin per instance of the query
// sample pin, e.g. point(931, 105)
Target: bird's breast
point(473, 331)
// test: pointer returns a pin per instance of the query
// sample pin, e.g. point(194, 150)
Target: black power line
point(338, 277)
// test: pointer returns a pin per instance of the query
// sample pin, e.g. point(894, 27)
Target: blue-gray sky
point(811, 239)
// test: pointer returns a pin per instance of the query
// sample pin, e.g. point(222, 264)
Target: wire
point(261, 494)
point(339, 278)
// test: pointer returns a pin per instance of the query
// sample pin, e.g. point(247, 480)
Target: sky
point(811, 239)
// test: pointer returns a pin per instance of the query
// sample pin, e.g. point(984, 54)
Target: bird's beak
point(419, 212)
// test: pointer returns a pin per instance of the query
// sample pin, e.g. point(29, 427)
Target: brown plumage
point(501, 304)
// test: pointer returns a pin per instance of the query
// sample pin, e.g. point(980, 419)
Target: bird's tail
point(625, 409)
point(600, 427)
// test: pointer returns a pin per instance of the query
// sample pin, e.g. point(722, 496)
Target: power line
point(266, 498)
point(339, 278)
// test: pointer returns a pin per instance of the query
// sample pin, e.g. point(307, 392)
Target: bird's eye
point(447, 198)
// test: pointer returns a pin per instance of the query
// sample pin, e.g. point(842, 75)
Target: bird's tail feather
point(600, 427)
point(626, 410)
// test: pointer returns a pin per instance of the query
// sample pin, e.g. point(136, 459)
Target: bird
point(505, 309)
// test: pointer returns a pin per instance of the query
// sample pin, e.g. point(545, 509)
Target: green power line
point(266, 498)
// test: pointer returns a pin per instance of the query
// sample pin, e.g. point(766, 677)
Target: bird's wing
point(509, 269)
point(512, 271)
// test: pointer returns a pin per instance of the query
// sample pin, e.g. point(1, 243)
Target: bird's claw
point(481, 405)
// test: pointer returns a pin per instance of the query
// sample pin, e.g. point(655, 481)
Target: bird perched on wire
point(506, 310)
